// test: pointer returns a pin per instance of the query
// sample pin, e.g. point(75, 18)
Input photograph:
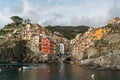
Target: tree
point(16, 19)
point(27, 21)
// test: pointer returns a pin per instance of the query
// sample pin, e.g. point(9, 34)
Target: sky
point(95, 13)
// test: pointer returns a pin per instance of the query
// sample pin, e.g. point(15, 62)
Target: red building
point(47, 46)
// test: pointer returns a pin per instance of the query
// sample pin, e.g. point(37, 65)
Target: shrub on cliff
point(16, 19)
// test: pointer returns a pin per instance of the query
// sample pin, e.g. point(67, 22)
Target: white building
point(61, 46)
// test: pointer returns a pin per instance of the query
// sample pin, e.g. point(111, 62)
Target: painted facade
point(81, 43)
point(48, 46)
point(99, 33)
point(61, 48)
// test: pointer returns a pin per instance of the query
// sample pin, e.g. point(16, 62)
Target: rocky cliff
point(12, 47)
point(106, 51)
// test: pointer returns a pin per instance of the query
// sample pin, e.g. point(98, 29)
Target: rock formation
point(106, 51)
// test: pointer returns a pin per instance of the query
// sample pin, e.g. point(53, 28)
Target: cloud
point(30, 11)
point(14, 10)
point(3, 20)
point(56, 20)
point(25, 10)
point(83, 14)
point(114, 11)
point(49, 22)
point(63, 12)
point(89, 21)
point(49, 1)
point(57, 15)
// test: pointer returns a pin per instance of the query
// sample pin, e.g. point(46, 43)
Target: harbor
point(56, 71)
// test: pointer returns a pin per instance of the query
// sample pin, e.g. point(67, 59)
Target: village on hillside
point(46, 45)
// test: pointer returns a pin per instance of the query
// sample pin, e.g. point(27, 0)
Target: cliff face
point(16, 53)
point(110, 52)
point(106, 51)
point(12, 47)
point(22, 43)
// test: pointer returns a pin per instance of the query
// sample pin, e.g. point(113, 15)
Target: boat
point(27, 68)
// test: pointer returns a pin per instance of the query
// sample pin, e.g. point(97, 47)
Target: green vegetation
point(18, 22)
point(16, 19)
point(68, 31)
point(13, 26)
point(27, 21)
point(2, 32)
point(109, 26)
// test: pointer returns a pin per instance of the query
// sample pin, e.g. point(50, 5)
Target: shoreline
point(100, 68)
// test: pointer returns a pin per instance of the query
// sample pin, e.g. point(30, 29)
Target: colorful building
point(48, 46)
point(99, 33)
point(61, 48)
point(81, 43)
point(27, 32)
point(30, 30)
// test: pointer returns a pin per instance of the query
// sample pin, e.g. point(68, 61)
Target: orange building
point(48, 46)
point(98, 34)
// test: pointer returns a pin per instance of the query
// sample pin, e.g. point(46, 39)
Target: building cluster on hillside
point(86, 40)
point(44, 41)
point(114, 20)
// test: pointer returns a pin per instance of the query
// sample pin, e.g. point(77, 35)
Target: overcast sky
point(94, 13)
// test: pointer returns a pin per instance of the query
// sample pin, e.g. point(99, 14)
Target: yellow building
point(99, 33)
point(27, 32)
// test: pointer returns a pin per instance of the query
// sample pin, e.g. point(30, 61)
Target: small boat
point(27, 67)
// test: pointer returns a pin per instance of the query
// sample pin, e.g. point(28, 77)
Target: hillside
point(68, 31)
point(104, 53)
